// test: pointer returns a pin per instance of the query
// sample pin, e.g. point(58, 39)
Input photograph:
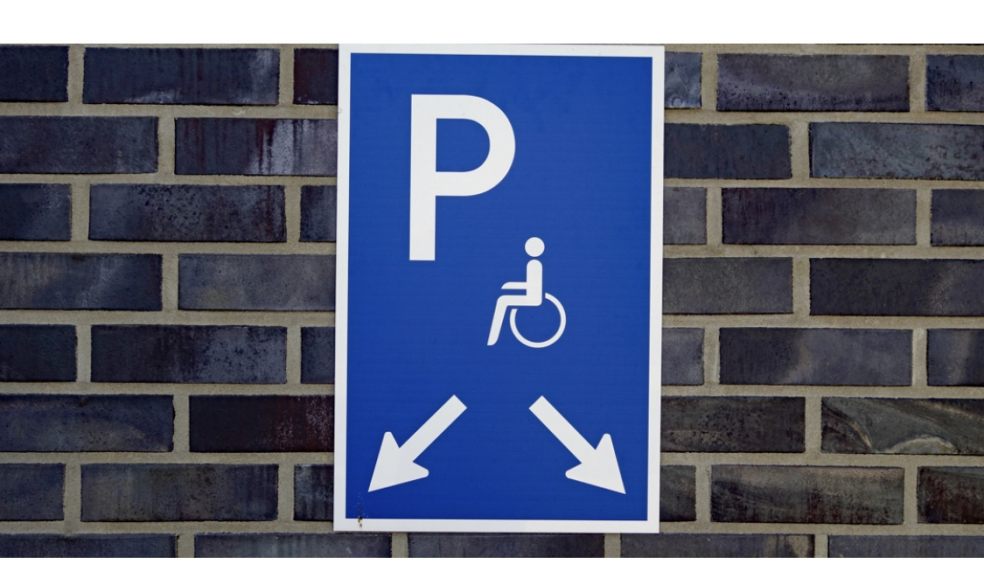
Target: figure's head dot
point(535, 247)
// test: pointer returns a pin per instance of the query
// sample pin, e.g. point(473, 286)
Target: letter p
point(426, 183)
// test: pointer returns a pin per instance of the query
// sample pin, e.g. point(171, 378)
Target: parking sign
point(498, 291)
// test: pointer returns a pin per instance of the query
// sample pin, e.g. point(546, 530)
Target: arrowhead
point(394, 466)
point(600, 469)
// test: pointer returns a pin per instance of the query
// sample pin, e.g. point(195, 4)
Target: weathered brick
point(31, 353)
point(256, 282)
point(905, 546)
point(903, 426)
point(254, 146)
point(919, 151)
point(50, 281)
point(31, 491)
point(951, 495)
point(181, 76)
point(178, 492)
point(717, 546)
point(818, 216)
point(87, 546)
point(314, 487)
point(825, 357)
point(318, 205)
point(318, 355)
point(682, 363)
point(315, 76)
point(727, 286)
point(958, 218)
point(806, 494)
point(956, 358)
point(186, 213)
point(682, 80)
point(677, 494)
point(292, 546)
point(685, 211)
point(34, 423)
point(955, 83)
point(35, 211)
point(732, 424)
point(217, 354)
point(507, 545)
point(813, 82)
point(262, 424)
point(733, 151)
point(33, 74)
point(78, 145)
point(863, 287)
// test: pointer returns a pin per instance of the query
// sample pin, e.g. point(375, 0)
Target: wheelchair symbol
point(532, 296)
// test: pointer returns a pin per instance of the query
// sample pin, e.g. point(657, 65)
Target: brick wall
point(167, 292)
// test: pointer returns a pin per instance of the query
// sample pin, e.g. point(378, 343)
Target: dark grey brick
point(903, 426)
point(717, 546)
point(181, 76)
point(727, 286)
point(178, 492)
point(818, 216)
point(255, 146)
point(35, 423)
point(507, 545)
point(50, 281)
point(217, 354)
point(33, 74)
point(739, 151)
point(732, 424)
point(813, 82)
point(862, 287)
point(951, 495)
point(318, 355)
point(682, 80)
point(262, 424)
point(806, 494)
point(318, 213)
point(958, 218)
point(685, 212)
point(683, 357)
point(31, 353)
point(955, 83)
point(35, 211)
point(256, 282)
point(315, 76)
point(314, 487)
point(292, 546)
point(31, 491)
point(905, 546)
point(956, 358)
point(186, 213)
point(920, 151)
point(77, 145)
point(87, 546)
point(825, 357)
point(677, 494)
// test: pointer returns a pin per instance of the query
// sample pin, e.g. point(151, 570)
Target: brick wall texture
point(167, 229)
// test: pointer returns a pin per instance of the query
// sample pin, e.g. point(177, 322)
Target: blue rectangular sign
point(498, 296)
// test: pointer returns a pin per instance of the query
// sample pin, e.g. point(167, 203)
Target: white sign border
point(651, 524)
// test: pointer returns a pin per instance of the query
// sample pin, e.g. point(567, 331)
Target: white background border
point(651, 524)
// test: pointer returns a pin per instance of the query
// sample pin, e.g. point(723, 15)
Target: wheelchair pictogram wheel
point(552, 339)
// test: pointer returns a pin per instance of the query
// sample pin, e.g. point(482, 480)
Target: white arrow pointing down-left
point(396, 464)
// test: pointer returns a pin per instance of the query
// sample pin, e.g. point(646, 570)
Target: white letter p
point(426, 183)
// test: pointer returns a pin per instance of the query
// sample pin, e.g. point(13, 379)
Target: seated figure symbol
point(532, 295)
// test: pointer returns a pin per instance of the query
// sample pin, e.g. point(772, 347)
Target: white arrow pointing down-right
point(599, 466)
